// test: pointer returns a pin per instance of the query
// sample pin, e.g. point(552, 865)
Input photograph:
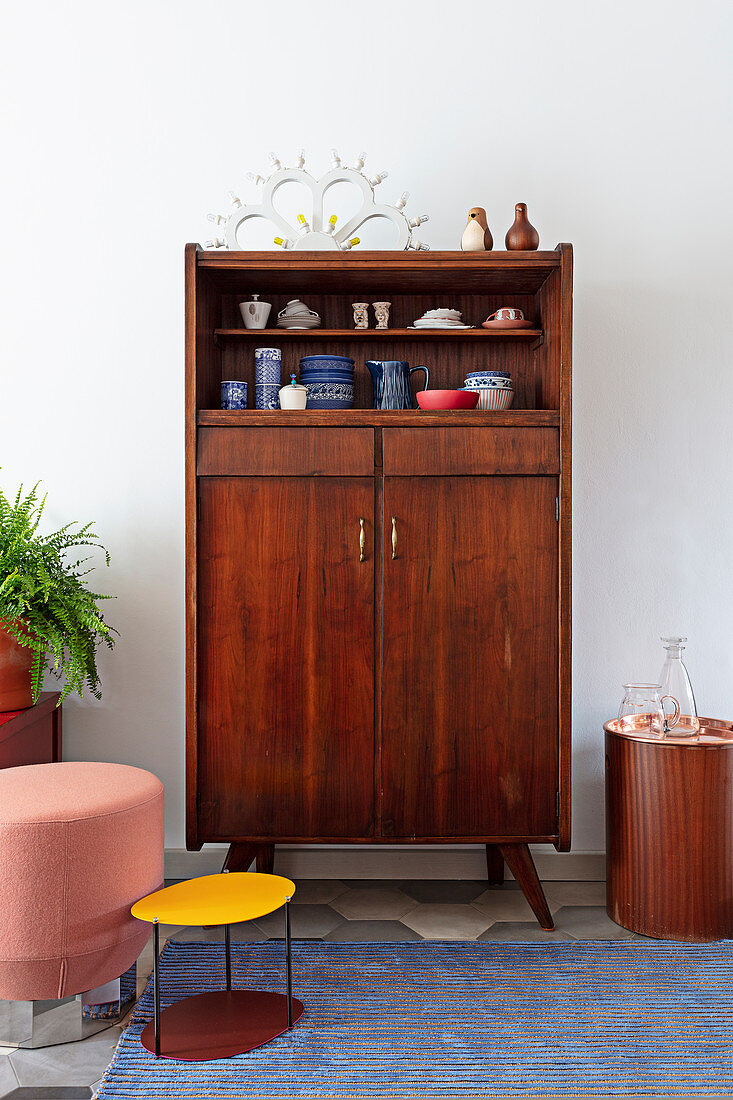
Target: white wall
point(123, 125)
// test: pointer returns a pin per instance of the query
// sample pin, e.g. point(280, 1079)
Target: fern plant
point(45, 603)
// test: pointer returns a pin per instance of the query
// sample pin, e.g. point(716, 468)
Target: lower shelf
point(379, 418)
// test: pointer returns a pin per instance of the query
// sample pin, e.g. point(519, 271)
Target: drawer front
point(283, 451)
point(455, 451)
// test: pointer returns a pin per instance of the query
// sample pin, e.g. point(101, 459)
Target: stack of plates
point(301, 322)
point(297, 315)
point(328, 381)
point(440, 318)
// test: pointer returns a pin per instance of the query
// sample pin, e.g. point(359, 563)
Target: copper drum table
point(669, 832)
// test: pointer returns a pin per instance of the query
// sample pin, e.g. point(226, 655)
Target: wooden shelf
point(370, 272)
point(521, 335)
point(379, 418)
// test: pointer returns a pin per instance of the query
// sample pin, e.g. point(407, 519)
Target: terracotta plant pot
point(15, 673)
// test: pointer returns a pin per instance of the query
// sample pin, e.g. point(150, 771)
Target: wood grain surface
point(420, 699)
point(669, 838)
point(469, 683)
point(285, 450)
point(286, 657)
point(429, 450)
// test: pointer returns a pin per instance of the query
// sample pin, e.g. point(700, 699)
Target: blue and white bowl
point(492, 398)
point(488, 374)
point(346, 372)
point(325, 376)
point(267, 397)
point(329, 395)
point(488, 382)
point(327, 362)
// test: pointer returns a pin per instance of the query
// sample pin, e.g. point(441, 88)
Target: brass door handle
point(394, 537)
point(362, 538)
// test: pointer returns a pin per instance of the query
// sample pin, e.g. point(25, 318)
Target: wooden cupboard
point(378, 603)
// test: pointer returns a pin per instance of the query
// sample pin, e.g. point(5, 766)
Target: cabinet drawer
point(283, 451)
point(415, 451)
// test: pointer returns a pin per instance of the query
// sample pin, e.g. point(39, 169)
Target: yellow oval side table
point(221, 1023)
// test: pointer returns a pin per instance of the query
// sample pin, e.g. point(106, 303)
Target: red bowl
point(447, 399)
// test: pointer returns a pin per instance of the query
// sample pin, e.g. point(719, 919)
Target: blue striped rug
point(433, 1019)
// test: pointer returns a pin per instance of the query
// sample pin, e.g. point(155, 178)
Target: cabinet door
point(285, 657)
point(470, 681)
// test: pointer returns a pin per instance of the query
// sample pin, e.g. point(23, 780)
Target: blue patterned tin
point(234, 395)
point(268, 366)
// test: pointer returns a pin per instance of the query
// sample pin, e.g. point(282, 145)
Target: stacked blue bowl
point(328, 381)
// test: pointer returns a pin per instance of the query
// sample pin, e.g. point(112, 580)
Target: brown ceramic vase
point(522, 236)
point(15, 673)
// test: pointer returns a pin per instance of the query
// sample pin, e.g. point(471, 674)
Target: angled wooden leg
point(266, 859)
point(494, 865)
point(240, 857)
point(521, 865)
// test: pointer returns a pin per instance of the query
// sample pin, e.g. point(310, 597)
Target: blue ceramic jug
point(391, 381)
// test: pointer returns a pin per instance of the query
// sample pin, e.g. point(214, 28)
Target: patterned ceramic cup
point(234, 395)
point(267, 396)
point(268, 366)
point(361, 314)
point(381, 312)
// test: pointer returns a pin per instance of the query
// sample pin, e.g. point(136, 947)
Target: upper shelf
point(521, 335)
point(367, 272)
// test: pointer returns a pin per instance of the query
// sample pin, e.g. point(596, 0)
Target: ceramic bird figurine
point(522, 236)
point(477, 235)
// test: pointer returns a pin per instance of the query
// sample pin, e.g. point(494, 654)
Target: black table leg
point(156, 983)
point(288, 963)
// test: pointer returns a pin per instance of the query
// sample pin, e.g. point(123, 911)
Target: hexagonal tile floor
point(338, 911)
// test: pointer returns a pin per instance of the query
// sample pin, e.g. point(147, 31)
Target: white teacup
point(507, 313)
point(295, 308)
point(255, 313)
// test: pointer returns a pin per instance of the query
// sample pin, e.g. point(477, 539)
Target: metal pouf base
point(220, 1024)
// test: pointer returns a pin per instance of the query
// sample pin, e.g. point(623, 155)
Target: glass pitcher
point(642, 710)
point(675, 682)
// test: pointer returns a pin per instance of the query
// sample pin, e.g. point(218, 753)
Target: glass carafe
point(676, 682)
point(642, 710)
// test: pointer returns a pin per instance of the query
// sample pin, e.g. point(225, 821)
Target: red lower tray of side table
point(225, 1022)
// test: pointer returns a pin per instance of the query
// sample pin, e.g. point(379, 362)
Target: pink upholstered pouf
point(79, 843)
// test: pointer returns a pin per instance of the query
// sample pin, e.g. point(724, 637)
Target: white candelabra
point(320, 233)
